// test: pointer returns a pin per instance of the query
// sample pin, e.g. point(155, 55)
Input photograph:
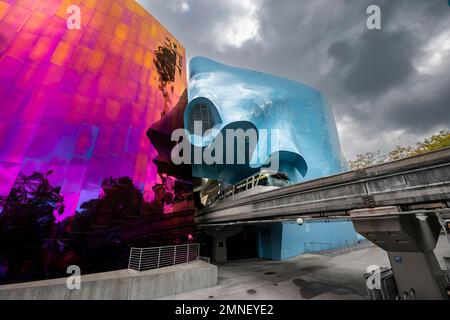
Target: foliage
point(367, 159)
point(28, 212)
point(119, 199)
point(27, 221)
point(400, 153)
point(435, 142)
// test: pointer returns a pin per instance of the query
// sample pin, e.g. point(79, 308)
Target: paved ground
point(305, 277)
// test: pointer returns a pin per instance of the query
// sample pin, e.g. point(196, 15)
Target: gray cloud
point(376, 62)
point(419, 112)
point(385, 86)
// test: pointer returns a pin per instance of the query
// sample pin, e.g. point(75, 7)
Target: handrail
point(142, 259)
point(335, 247)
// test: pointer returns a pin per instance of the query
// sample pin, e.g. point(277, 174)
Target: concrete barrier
point(120, 285)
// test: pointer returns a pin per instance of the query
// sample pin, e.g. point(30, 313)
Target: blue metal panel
point(309, 146)
point(329, 233)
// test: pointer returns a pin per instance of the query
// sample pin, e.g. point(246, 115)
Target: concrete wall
point(284, 240)
point(120, 285)
point(334, 233)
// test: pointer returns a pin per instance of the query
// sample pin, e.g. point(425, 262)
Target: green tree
point(28, 219)
point(433, 143)
point(400, 153)
point(119, 200)
point(367, 159)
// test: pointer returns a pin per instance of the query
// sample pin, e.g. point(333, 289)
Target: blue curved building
point(224, 97)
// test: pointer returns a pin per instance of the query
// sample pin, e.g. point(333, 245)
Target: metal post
point(159, 255)
point(129, 260)
point(174, 255)
point(140, 260)
point(187, 254)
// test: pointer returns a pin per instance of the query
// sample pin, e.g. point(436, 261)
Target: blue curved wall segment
point(308, 145)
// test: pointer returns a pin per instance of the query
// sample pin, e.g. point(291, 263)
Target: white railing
point(142, 259)
point(336, 247)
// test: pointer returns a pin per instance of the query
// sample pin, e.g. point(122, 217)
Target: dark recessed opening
point(200, 113)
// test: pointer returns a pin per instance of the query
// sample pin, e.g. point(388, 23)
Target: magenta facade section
point(79, 102)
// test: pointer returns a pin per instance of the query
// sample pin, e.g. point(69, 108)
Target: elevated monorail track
point(414, 183)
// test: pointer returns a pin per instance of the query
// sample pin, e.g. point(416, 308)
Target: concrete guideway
point(408, 183)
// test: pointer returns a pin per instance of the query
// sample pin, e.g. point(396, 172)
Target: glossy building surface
point(224, 97)
point(227, 97)
point(79, 102)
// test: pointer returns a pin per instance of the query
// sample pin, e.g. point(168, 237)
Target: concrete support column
point(219, 250)
point(409, 239)
point(220, 235)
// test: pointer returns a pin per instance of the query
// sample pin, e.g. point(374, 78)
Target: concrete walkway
point(305, 277)
point(120, 284)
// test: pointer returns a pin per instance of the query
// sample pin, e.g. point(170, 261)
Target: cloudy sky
point(387, 87)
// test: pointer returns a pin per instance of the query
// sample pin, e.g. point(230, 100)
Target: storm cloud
point(387, 87)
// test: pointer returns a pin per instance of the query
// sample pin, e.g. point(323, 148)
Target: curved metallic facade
point(79, 102)
point(228, 97)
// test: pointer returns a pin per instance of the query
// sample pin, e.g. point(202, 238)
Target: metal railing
point(142, 259)
point(336, 248)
